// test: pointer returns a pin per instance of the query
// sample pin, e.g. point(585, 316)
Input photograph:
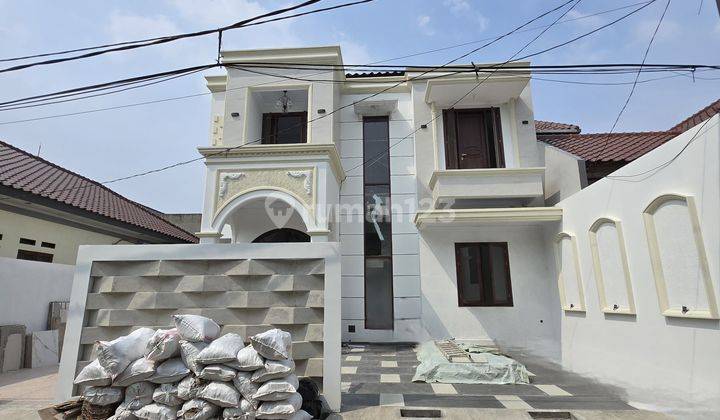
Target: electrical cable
point(124, 46)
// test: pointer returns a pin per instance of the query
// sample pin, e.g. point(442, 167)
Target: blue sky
point(112, 144)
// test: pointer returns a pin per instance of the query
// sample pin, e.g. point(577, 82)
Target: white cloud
point(668, 31)
point(423, 22)
point(463, 9)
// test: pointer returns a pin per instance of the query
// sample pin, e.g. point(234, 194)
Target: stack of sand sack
point(191, 372)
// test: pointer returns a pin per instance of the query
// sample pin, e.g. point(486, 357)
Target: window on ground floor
point(483, 274)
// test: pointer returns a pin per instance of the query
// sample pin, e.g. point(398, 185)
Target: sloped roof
point(697, 117)
point(551, 127)
point(616, 147)
point(24, 172)
point(604, 147)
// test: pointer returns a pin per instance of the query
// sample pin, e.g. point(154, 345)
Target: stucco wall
point(660, 360)
point(26, 289)
point(406, 268)
point(14, 226)
point(531, 324)
point(564, 174)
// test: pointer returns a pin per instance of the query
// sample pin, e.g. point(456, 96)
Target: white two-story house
point(438, 205)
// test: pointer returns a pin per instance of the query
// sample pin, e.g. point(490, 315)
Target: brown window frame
point(450, 135)
point(486, 284)
point(269, 126)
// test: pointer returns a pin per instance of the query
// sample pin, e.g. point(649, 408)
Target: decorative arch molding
point(244, 197)
point(569, 303)
point(620, 304)
point(660, 272)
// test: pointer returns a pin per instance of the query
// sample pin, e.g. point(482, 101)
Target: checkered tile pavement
point(381, 374)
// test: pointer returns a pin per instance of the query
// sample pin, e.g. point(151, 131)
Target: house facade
point(435, 194)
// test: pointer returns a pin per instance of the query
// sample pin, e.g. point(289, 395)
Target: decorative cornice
point(485, 172)
point(314, 55)
point(448, 217)
point(327, 151)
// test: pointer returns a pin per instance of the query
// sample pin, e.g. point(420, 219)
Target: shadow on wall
point(531, 324)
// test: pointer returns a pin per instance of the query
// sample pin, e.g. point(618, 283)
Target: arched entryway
point(283, 235)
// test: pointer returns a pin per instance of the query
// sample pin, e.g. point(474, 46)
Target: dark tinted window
point(34, 256)
point(285, 128)
point(483, 274)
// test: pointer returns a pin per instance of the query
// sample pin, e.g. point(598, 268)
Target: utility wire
point(637, 76)
point(436, 116)
point(124, 46)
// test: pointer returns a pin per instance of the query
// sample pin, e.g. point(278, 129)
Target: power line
point(130, 45)
point(637, 76)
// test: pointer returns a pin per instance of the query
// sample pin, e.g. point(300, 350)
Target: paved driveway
point(24, 392)
point(381, 375)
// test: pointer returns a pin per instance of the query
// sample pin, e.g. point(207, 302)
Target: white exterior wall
point(27, 289)
point(406, 269)
point(564, 174)
point(531, 324)
point(661, 361)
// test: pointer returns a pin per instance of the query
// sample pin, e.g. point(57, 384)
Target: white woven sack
point(163, 345)
point(246, 386)
point(171, 370)
point(138, 395)
point(102, 395)
point(196, 327)
point(279, 409)
point(137, 371)
point(189, 351)
point(188, 388)
point(156, 412)
point(274, 369)
point(122, 412)
point(114, 356)
point(220, 373)
point(277, 389)
point(247, 360)
point(273, 344)
point(301, 415)
point(224, 349)
point(167, 394)
point(221, 394)
point(93, 375)
point(197, 409)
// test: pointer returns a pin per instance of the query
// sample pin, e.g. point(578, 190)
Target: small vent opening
point(420, 413)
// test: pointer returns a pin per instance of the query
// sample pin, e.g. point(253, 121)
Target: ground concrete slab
point(374, 413)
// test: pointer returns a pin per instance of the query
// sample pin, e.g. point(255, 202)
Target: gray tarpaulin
point(493, 369)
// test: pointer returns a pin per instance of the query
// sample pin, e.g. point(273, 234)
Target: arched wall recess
point(610, 266)
point(678, 257)
point(572, 296)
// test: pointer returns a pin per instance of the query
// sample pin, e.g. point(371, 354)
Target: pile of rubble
point(191, 372)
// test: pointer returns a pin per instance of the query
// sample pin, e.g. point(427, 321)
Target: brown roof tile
point(550, 127)
point(22, 171)
point(697, 117)
point(603, 147)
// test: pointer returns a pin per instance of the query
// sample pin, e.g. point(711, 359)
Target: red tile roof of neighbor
point(616, 147)
point(550, 127)
point(24, 172)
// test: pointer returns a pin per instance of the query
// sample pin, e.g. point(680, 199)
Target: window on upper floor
point(473, 138)
point(483, 274)
point(284, 128)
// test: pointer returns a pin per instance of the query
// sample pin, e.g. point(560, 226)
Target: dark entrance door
point(283, 235)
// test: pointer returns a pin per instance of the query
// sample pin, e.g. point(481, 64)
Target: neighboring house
point(604, 153)
point(46, 212)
